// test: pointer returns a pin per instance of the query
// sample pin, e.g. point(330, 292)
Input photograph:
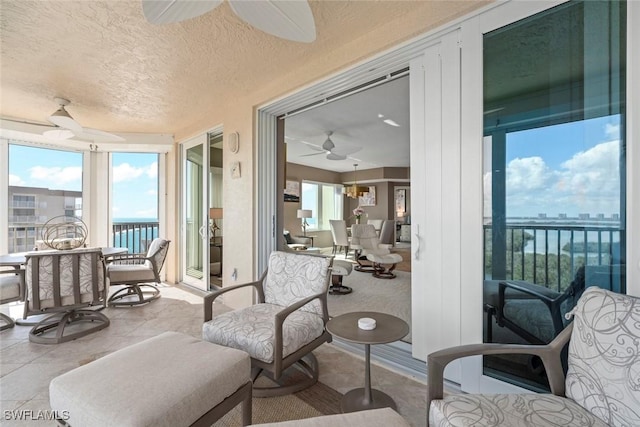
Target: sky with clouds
point(570, 168)
point(135, 177)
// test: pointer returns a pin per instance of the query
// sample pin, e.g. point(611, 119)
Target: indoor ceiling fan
point(291, 20)
point(329, 147)
point(67, 127)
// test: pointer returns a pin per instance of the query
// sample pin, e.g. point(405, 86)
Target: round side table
point(388, 329)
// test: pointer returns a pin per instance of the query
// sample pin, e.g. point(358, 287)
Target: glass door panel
point(195, 230)
point(554, 156)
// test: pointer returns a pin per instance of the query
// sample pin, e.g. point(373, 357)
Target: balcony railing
point(136, 236)
point(550, 254)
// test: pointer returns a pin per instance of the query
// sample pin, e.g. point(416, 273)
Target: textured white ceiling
point(355, 123)
point(123, 74)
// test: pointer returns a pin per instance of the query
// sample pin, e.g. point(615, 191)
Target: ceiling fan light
point(63, 119)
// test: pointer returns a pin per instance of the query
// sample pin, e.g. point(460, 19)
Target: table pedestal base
point(355, 401)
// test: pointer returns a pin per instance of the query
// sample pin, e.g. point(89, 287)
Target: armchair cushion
point(604, 356)
point(10, 287)
point(509, 410)
point(252, 329)
point(122, 273)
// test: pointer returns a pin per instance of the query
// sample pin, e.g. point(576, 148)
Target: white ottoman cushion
point(168, 380)
point(341, 268)
point(384, 259)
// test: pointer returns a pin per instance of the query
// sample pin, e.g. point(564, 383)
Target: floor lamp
point(304, 214)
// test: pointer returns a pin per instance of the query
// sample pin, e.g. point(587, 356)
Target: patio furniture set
point(290, 320)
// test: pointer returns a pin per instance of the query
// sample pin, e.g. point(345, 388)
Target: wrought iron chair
point(600, 386)
point(137, 271)
point(71, 285)
point(11, 289)
point(285, 325)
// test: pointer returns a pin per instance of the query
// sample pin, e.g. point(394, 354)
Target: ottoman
point(379, 262)
point(338, 271)
point(168, 380)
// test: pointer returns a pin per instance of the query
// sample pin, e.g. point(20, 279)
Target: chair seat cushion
point(341, 268)
point(509, 410)
point(384, 258)
point(252, 329)
point(126, 273)
point(9, 287)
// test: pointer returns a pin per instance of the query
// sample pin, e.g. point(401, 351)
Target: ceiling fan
point(67, 127)
point(291, 20)
point(329, 147)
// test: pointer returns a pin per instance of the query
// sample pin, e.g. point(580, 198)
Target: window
point(554, 144)
point(324, 201)
point(43, 184)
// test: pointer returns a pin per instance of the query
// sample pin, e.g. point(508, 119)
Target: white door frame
point(202, 284)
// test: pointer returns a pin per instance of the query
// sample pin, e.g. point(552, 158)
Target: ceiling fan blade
point(313, 154)
point(334, 156)
point(64, 120)
point(169, 11)
point(98, 135)
point(291, 20)
point(58, 134)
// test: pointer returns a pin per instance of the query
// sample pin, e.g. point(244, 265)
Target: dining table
point(18, 259)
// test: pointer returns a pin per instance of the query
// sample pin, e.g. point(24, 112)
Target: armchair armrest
point(210, 298)
point(549, 353)
point(128, 258)
point(550, 298)
point(301, 240)
point(278, 344)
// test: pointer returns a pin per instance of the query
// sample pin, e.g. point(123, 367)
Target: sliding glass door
point(554, 173)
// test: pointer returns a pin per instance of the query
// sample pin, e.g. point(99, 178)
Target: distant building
point(31, 207)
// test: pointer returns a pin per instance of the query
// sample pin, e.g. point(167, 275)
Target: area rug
point(390, 296)
point(312, 402)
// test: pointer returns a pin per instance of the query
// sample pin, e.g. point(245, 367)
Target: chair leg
point(127, 295)
point(307, 366)
point(8, 320)
point(97, 320)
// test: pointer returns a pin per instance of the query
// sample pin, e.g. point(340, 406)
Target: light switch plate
point(235, 170)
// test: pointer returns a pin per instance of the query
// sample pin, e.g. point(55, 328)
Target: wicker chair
point(137, 271)
point(69, 285)
point(601, 383)
point(284, 326)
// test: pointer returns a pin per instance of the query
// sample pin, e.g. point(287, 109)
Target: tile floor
point(27, 368)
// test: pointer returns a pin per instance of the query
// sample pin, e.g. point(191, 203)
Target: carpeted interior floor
point(312, 402)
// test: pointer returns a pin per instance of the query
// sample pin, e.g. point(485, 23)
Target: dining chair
point(11, 289)
point(68, 286)
point(340, 236)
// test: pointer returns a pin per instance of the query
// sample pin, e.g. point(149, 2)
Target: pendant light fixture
point(354, 190)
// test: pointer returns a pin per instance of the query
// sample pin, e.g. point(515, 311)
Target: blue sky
point(569, 168)
point(135, 177)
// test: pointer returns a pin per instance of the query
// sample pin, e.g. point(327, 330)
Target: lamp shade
point(305, 213)
point(215, 213)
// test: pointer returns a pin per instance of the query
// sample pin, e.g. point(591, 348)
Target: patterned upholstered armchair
point(137, 271)
point(70, 286)
point(285, 325)
point(600, 388)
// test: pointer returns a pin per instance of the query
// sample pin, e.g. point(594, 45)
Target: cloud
point(125, 172)
point(16, 180)
point(527, 174)
point(152, 192)
point(588, 182)
point(612, 131)
point(56, 176)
